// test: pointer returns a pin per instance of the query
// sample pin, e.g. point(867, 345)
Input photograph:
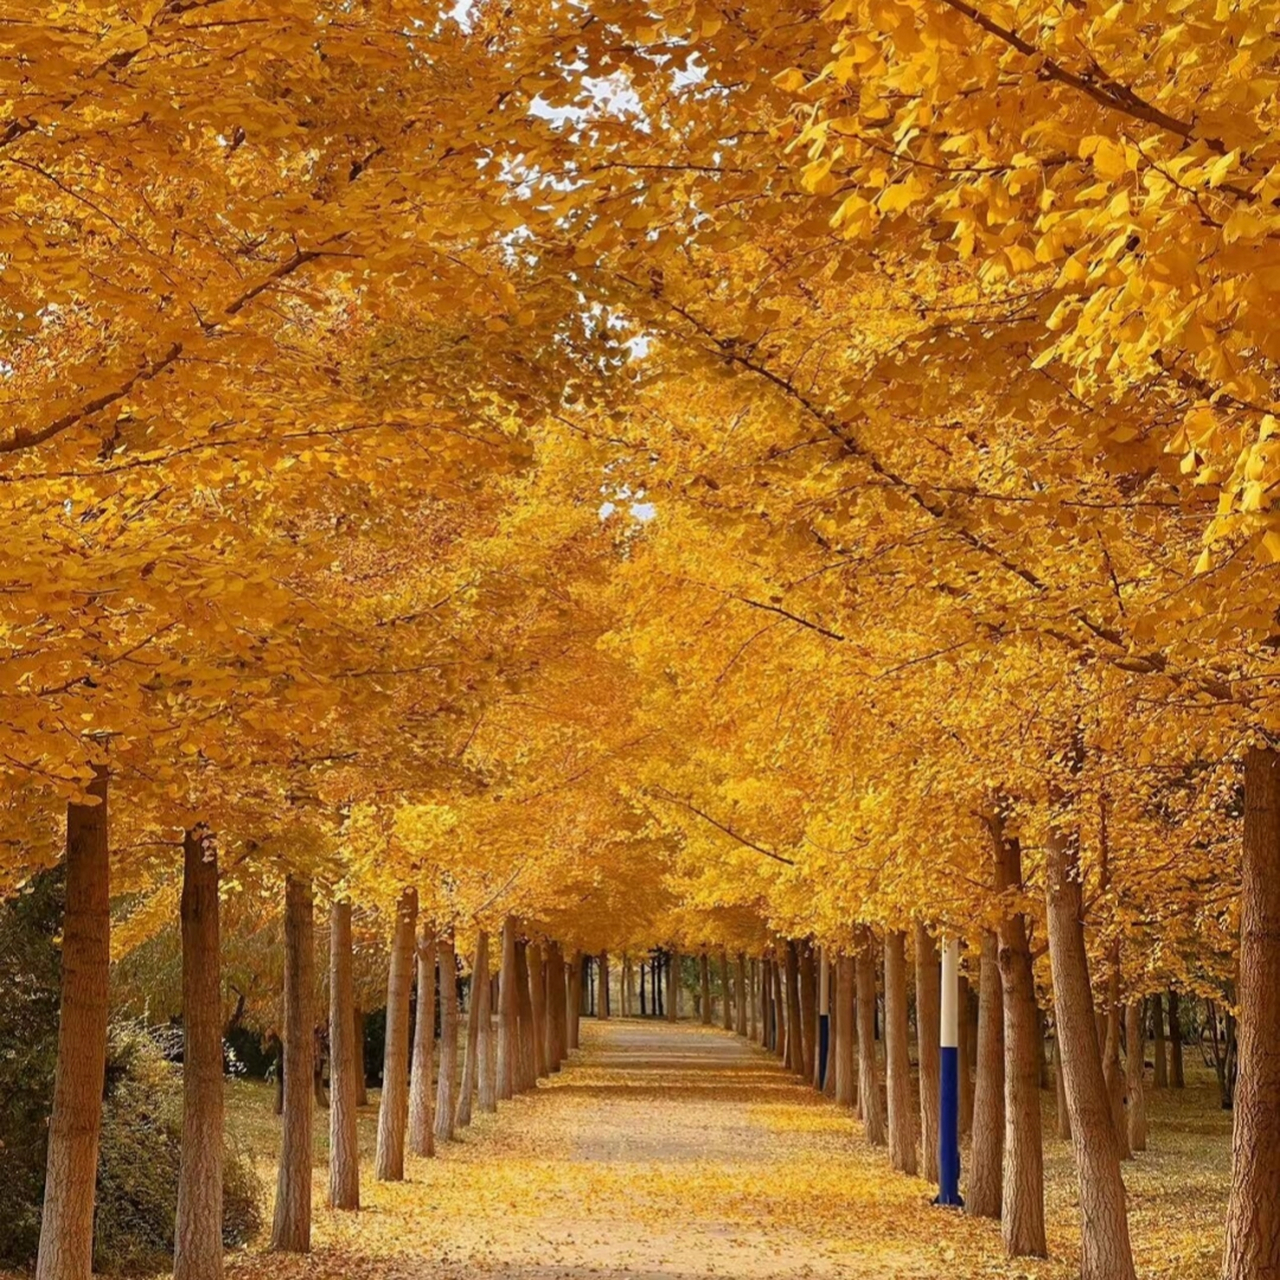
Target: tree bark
point(66, 1226)
point(393, 1112)
point(726, 1009)
point(1113, 1072)
point(740, 996)
point(574, 996)
point(344, 1150)
point(509, 1012)
point(868, 1070)
point(470, 1060)
point(985, 1189)
point(902, 1133)
point(1253, 1212)
point(843, 1007)
point(422, 1139)
point(362, 1080)
point(291, 1227)
point(1161, 1057)
point(779, 1012)
point(1105, 1249)
point(673, 985)
point(808, 985)
point(752, 988)
point(967, 1036)
point(538, 1003)
point(928, 1045)
point(486, 1050)
point(526, 1072)
point(704, 987)
point(1176, 1078)
point(1134, 1053)
point(795, 1036)
point(602, 1003)
point(447, 1074)
point(553, 972)
point(197, 1253)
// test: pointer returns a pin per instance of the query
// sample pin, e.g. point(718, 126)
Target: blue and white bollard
point(824, 1016)
point(949, 1102)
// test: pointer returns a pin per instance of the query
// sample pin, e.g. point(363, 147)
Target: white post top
point(950, 1029)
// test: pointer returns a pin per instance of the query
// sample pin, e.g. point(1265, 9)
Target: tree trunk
point(752, 988)
point(393, 1113)
point(553, 974)
point(808, 1037)
point(1105, 1250)
point(1134, 1054)
point(362, 1080)
point(1161, 1057)
point(726, 1009)
point(470, 1061)
point(779, 1012)
point(985, 1190)
point(966, 1048)
point(795, 1036)
point(704, 986)
point(868, 1070)
point(447, 1074)
point(509, 1012)
point(1113, 1072)
point(673, 985)
point(574, 996)
point(902, 1133)
point(928, 1045)
point(538, 1004)
point(422, 1139)
point(1253, 1213)
point(486, 1051)
point(344, 1149)
point(1176, 1079)
point(740, 996)
point(66, 1226)
point(602, 1003)
point(1022, 1209)
point(291, 1227)
point(197, 1253)
point(843, 1007)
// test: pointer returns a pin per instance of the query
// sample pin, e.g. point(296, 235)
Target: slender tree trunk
point(526, 1070)
point(470, 1060)
point(393, 1113)
point(1022, 1209)
point(779, 1012)
point(422, 1138)
point(291, 1227)
point(486, 1049)
point(1105, 1250)
point(902, 1134)
point(673, 985)
point(553, 972)
point(344, 1149)
point(66, 1226)
point(1161, 1057)
point(197, 1251)
point(868, 1069)
point(843, 1006)
point(538, 1004)
point(362, 1080)
point(1253, 1213)
point(808, 1037)
point(752, 1001)
point(966, 1047)
point(509, 1012)
point(985, 1190)
point(447, 1076)
point(740, 996)
point(928, 1045)
point(1112, 1070)
point(574, 994)
point(726, 1009)
point(795, 1035)
point(1176, 1079)
point(602, 1006)
point(704, 986)
point(1134, 1054)
point(1060, 1086)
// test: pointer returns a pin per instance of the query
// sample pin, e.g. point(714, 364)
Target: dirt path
point(661, 1153)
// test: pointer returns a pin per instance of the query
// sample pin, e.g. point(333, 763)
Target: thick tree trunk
point(740, 996)
point(574, 995)
point(985, 1189)
point(843, 1007)
point(509, 1012)
point(66, 1226)
point(726, 1008)
point(538, 1003)
point(869, 1100)
point(928, 1045)
point(1135, 1051)
point(447, 1075)
point(422, 1138)
point(291, 1227)
point(344, 1149)
point(1253, 1213)
point(1161, 1056)
point(471, 1058)
point(1022, 1208)
point(362, 1080)
point(902, 1132)
point(1105, 1250)
point(393, 1113)
point(673, 985)
point(486, 1049)
point(1176, 1078)
point(197, 1233)
point(704, 988)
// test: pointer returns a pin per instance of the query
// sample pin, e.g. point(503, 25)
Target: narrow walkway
point(663, 1152)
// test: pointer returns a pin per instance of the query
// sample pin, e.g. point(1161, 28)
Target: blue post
point(949, 1102)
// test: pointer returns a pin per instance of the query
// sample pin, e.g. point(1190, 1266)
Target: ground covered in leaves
point(669, 1152)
